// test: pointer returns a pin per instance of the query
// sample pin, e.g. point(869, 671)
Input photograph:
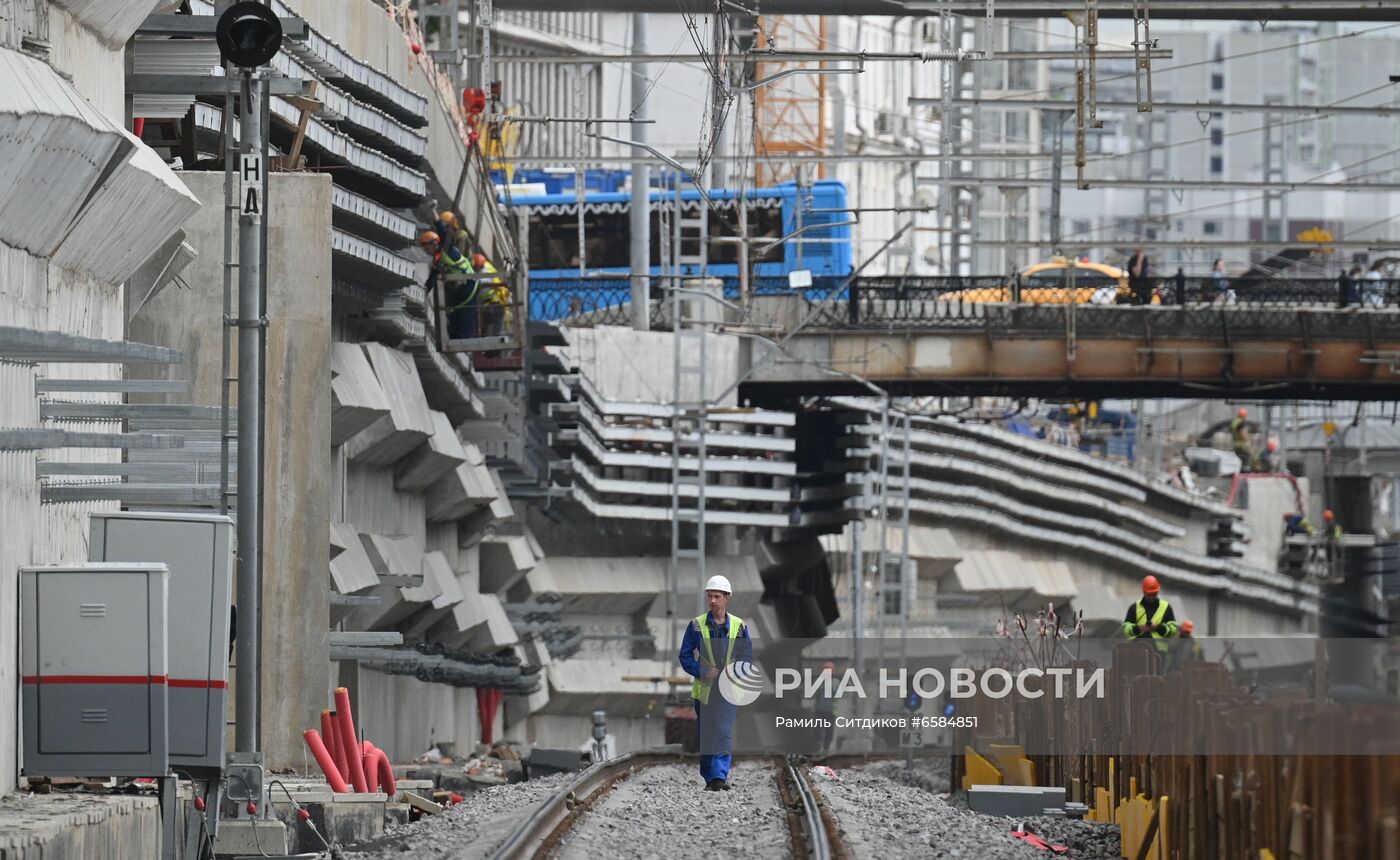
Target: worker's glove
point(711, 674)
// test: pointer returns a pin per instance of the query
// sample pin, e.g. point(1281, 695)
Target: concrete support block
point(357, 401)
point(351, 569)
point(1015, 801)
point(504, 561)
point(440, 454)
point(464, 490)
point(409, 421)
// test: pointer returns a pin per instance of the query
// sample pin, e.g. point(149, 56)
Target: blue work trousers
point(715, 724)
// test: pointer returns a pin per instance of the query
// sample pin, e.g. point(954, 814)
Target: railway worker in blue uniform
point(713, 641)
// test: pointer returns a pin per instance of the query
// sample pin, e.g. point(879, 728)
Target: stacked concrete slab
point(1035, 524)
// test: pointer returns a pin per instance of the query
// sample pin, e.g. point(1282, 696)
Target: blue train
point(558, 287)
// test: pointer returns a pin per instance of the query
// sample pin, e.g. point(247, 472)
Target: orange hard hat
point(1288, 515)
point(449, 218)
point(1243, 413)
point(1328, 516)
point(1150, 585)
point(429, 237)
point(1187, 626)
point(478, 260)
point(1272, 445)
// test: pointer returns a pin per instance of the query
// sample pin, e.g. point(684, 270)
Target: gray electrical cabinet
point(93, 669)
point(198, 549)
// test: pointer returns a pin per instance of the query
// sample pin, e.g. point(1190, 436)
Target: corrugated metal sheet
point(335, 64)
point(365, 209)
point(361, 121)
point(400, 182)
point(386, 266)
point(53, 148)
point(163, 56)
point(113, 20)
point(128, 218)
point(356, 155)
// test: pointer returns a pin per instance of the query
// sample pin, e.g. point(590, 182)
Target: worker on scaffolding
point(459, 298)
point(495, 299)
point(1239, 438)
point(713, 641)
point(1332, 531)
point(1150, 617)
point(450, 228)
point(1186, 647)
point(1295, 524)
point(1267, 461)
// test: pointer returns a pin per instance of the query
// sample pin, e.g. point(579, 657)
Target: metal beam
point(1173, 107)
point(22, 344)
point(791, 158)
point(813, 56)
point(129, 494)
point(1204, 244)
point(45, 385)
point(207, 85)
point(1285, 10)
point(62, 409)
point(38, 439)
point(189, 471)
point(203, 25)
point(1186, 184)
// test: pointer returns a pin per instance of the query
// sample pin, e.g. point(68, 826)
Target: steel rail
point(554, 817)
point(538, 835)
point(813, 822)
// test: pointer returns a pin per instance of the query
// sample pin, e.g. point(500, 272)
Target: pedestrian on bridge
point(712, 642)
point(1140, 277)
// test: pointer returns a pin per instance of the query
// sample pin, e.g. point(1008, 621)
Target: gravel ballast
point(471, 829)
point(663, 811)
point(881, 816)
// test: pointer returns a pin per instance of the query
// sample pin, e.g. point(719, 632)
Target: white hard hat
point(719, 583)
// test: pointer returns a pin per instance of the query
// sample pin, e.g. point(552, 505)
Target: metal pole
point(250, 335)
point(1057, 118)
point(857, 590)
point(718, 95)
point(640, 215)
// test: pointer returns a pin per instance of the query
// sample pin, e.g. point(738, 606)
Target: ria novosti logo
point(741, 682)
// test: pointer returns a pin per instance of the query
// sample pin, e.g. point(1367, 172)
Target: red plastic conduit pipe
point(323, 758)
point(348, 740)
point(370, 765)
point(329, 734)
point(338, 748)
point(377, 761)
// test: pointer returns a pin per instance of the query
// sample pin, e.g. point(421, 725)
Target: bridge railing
point(920, 302)
point(964, 301)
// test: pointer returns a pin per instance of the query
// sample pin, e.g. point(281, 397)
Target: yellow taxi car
point(1048, 284)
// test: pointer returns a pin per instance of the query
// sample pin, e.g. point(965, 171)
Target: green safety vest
point(700, 690)
point(1160, 633)
point(460, 266)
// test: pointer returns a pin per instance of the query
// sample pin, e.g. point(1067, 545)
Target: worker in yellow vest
point(1151, 617)
point(712, 642)
point(495, 299)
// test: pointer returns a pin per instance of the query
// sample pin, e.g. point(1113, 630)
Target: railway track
point(812, 833)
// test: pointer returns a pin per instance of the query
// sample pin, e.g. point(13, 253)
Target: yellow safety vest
point(1160, 632)
point(700, 690)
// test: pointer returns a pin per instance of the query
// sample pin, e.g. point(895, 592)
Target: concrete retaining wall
point(297, 484)
point(79, 827)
